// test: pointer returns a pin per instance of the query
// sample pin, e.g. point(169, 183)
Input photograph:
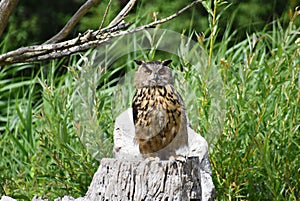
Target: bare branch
point(6, 8)
point(88, 40)
point(105, 14)
point(73, 21)
point(153, 24)
point(122, 14)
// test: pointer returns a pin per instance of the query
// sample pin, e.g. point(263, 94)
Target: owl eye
point(148, 72)
point(162, 71)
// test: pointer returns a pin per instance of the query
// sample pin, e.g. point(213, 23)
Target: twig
point(73, 21)
point(105, 14)
point(122, 14)
point(88, 40)
point(153, 24)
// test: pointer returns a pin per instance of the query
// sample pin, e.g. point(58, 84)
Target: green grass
point(256, 156)
point(41, 152)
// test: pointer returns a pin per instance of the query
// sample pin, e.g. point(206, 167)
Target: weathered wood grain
point(146, 180)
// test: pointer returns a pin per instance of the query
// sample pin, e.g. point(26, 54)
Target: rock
point(69, 198)
point(65, 198)
point(6, 198)
point(38, 198)
point(126, 149)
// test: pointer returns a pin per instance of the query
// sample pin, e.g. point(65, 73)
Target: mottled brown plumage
point(158, 111)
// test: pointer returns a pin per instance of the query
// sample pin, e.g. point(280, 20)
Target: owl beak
point(155, 77)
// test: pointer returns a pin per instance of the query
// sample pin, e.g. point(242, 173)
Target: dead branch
point(6, 8)
point(122, 14)
point(105, 14)
point(153, 24)
point(82, 42)
point(73, 21)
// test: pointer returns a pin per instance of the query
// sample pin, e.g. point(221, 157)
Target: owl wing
point(135, 105)
point(178, 96)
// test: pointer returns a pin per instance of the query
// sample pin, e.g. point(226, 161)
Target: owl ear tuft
point(166, 62)
point(139, 62)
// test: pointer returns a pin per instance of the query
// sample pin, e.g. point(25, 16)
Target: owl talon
point(172, 159)
point(151, 158)
point(177, 158)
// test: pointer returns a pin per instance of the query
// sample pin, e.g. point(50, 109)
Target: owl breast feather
point(157, 116)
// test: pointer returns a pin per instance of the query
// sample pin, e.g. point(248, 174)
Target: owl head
point(153, 74)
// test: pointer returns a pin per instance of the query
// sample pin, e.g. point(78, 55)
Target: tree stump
point(129, 177)
point(146, 180)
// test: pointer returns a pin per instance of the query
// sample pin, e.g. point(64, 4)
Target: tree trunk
point(146, 180)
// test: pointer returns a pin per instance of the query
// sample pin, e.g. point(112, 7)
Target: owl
point(158, 111)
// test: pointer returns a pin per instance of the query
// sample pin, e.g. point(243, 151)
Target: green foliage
point(33, 22)
point(41, 151)
point(255, 158)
